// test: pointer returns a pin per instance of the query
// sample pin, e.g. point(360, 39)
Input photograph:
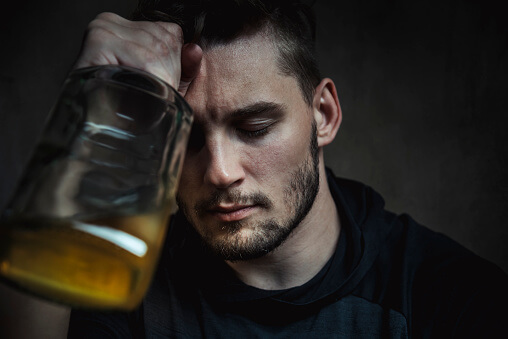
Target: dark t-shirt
point(389, 277)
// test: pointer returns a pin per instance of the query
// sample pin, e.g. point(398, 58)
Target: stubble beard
point(299, 196)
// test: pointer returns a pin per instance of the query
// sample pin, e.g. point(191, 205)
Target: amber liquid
point(95, 264)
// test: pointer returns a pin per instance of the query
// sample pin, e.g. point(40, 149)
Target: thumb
point(191, 62)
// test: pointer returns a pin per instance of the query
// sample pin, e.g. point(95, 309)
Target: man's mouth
point(234, 212)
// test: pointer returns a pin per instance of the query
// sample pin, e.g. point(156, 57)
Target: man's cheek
point(277, 156)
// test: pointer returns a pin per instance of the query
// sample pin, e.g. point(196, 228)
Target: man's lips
point(232, 212)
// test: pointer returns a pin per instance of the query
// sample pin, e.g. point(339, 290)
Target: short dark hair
point(212, 22)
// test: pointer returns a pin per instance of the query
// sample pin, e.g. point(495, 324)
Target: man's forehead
point(235, 74)
point(243, 53)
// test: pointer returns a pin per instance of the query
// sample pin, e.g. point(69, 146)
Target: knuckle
point(169, 26)
point(172, 31)
point(97, 23)
point(178, 34)
point(176, 39)
point(177, 31)
point(107, 16)
point(165, 42)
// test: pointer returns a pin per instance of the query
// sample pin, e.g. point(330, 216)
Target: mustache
point(232, 197)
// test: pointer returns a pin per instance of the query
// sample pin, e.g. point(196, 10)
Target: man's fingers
point(161, 30)
point(151, 46)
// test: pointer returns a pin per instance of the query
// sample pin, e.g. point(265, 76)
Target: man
point(268, 243)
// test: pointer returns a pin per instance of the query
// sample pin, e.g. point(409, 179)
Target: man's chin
point(237, 242)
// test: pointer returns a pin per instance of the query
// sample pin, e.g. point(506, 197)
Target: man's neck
point(303, 254)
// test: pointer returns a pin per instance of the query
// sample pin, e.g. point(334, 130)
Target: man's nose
point(224, 168)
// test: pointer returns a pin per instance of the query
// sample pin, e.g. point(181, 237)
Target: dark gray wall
point(423, 89)
point(422, 86)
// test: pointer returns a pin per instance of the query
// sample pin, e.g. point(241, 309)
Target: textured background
point(421, 85)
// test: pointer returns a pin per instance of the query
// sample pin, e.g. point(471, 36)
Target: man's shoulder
point(452, 288)
point(439, 285)
point(401, 234)
point(433, 256)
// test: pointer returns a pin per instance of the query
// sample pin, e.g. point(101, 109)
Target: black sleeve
point(88, 325)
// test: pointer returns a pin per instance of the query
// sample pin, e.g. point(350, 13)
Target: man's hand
point(155, 47)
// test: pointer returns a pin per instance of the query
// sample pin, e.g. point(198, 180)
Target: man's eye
point(254, 131)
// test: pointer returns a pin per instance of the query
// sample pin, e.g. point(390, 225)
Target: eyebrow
point(258, 108)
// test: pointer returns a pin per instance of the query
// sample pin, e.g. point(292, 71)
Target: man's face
point(251, 170)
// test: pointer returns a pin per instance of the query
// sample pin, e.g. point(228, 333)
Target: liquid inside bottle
point(99, 264)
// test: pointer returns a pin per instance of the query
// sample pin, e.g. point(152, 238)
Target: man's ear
point(327, 112)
